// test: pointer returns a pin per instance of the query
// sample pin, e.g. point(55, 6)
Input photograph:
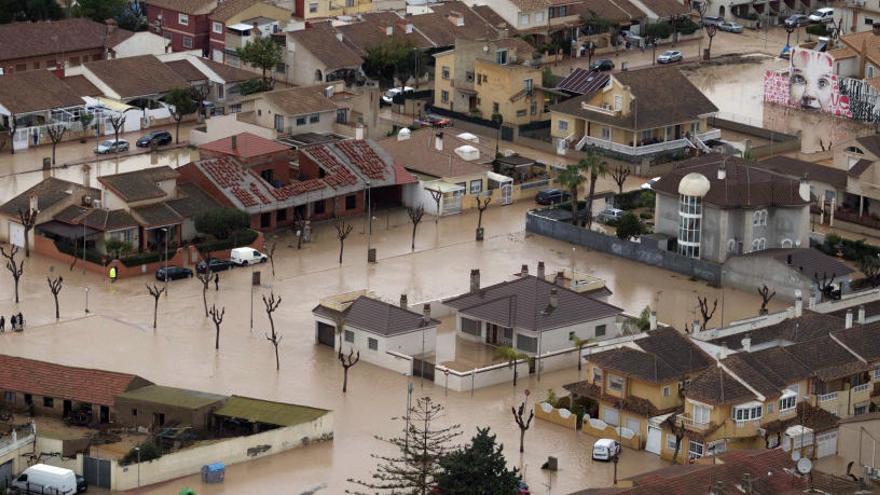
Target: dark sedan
point(603, 64)
point(216, 265)
point(158, 137)
point(551, 197)
point(173, 273)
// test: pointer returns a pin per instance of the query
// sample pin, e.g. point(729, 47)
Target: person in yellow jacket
point(112, 274)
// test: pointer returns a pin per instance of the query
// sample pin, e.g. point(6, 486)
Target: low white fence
point(479, 377)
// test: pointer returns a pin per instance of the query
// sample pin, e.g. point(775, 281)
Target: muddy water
point(737, 90)
point(180, 353)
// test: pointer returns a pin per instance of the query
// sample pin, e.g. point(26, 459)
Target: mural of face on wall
point(812, 83)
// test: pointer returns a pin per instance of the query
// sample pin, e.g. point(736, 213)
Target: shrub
point(659, 30)
point(149, 451)
point(222, 222)
point(141, 259)
point(629, 226)
point(645, 215)
point(253, 86)
point(685, 25)
point(551, 397)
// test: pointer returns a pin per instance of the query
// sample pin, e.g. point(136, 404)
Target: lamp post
point(138, 450)
point(371, 256)
point(165, 230)
point(87, 300)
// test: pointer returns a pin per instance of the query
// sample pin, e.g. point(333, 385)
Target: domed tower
point(692, 189)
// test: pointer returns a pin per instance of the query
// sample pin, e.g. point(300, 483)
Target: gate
point(326, 334)
point(423, 368)
point(5, 475)
point(96, 471)
point(506, 194)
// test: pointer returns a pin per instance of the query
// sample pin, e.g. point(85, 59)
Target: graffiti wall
point(809, 84)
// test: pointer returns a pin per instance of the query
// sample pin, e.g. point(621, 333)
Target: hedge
point(92, 254)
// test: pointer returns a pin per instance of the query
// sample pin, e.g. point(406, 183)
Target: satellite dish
point(804, 465)
point(795, 455)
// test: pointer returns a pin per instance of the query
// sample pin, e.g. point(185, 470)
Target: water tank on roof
point(694, 184)
point(468, 152)
point(404, 134)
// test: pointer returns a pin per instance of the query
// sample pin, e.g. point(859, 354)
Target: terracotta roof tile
point(247, 145)
point(193, 7)
point(323, 44)
point(35, 39)
point(31, 91)
point(137, 76)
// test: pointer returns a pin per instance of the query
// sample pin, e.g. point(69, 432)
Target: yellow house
point(317, 9)
point(636, 385)
point(487, 78)
point(235, 22)
point(635, 115)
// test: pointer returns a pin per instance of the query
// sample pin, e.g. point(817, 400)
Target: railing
point(861, 388)
point(827, 397)
point(582, 142)
point(605, 111)
point(648, 148)
point(16, 440)
point(688, 422)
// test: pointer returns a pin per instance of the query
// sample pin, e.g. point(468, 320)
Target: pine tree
point(477, 469)
point(415, 469)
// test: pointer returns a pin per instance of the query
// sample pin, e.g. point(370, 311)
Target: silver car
point(111, 146)
point(711, 20)
point(730, 27)
point(797, 20)
point(669, 56)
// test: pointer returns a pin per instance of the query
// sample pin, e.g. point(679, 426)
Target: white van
point(42, 478)
point(247, 256)
point(822, 15)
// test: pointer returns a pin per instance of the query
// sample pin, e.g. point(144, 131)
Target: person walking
point(217, 281)
point(112, 274)
point(12, 322)
point(2, 324)
point(20, 321)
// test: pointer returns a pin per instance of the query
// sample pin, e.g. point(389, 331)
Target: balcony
point(647, 149)
point(689, 423)
point(861, 393)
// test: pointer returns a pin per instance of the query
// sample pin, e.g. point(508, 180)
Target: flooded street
point(116, 336)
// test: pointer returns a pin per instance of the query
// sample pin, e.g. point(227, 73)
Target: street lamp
point(87, 300)
point(371, 255)
point(165, 230)
point(138, 450)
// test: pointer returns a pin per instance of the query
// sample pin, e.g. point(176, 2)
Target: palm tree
point(571, 178)
point(596, 167)
point(580, 343)
point(511, 355)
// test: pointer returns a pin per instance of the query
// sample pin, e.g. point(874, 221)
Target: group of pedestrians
point(16, 322)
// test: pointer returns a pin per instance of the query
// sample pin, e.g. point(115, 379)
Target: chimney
point(696, 326)
point(475, 280)
point(389, 30)
point(875, 28)
point(438, 141)
point(234, 142)
point(798, 304)
point(724, 352)
point(653, 320)
point(861, 314)
point(111, 25)
point(746, 343)
point(408, 28)
point(426, 312)
point(849, 318)
point(554, 298)
point(404, 301)
point(339, 37)
point(359, 131)
point(560, 278)
point(524, 270)
point(540, 273)
point(722, 172)
point(804, 189)
point(746, 486)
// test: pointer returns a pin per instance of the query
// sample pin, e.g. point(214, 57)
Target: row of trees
point(128, 14)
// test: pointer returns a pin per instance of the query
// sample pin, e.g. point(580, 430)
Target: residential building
point(141, 80)
point(184, 23)
point(233, 18)
point(47, 198)
point(155, 406)
point(31, 100)
point(378, 331)
point(636, 115)
point(860, 157)
point(638, 385)
point(827, 183)
point(531, 315)
point(321, 55)
point(448, 21)
point(369, 30)
point(719, 206)
point(222, 81)
point(488, 78)
point(299, 110)
point(320, 9)
point(538, 18)
point(57, 390)
point(789, 271)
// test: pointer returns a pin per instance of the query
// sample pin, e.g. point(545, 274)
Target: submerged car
point(173, 273)
point(157, 137)
point(388, 97)
point(670, 56)
point(605, 449)
point(215, 264)
point(730, 27)
point(111, 146)
point(551, 197)
point(602, 64)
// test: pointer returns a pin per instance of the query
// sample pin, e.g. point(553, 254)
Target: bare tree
point(436, 196)
point(217, 317)
point(619, 174)
point(272, 304)
point(415, 216)
point(205, 278)
point(299, 226)
point(522, 422)
point(482, 204)
point(711, 31)
point(28, 219)
point(825, 284)
point(117, 122)
point(155, 291)
point(347, 362)
point(55, 286)
point(199, 94)
point(56, 133)
point(270, 252)
point(342, 231)
point(766, 296)
point(15, 270)
point(704, 309)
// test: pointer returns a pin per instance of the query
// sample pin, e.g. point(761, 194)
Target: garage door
point(826, 444)
point(16, 234)
point(326, 334)
point(654, 442)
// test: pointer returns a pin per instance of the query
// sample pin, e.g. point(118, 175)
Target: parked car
point(388, 97)
point(111, 146)
point(522, 488)
point(711, 20)
point(610, 215)
point(649, 184)
point(432, 120)
point(245, 256)
point(42, 478)
point(605, 449)
point(216, 264)
point(669, 56)
point(822, 15)
point(173, 273)
point(797, 20)
point(602, 64)
point(730, 27)
point(551, 197)
point(158, 137)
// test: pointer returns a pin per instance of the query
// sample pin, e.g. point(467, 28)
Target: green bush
point(818, 30)
point(551, 397)
point(222, 222)
point(253, 86)
point(149, 451)
point(563, 403)
point(685, 25)
point(659, 30)
point(629, 226)
point(141, 259)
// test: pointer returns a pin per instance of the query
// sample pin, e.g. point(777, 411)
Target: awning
point(501, 179)
point(115, 105)
point(65, 230)
point(443, 186)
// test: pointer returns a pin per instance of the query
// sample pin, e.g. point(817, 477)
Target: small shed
point(245, 415)
point(155, 405)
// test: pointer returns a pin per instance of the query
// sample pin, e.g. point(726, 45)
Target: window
point(187, 42)
point(562, 125)
point(349, 336)
point(74, 61)
point(476, 186)
point(769, 408)
point(183, 19)
point(786, 243)
point(618, 103)
point(373, 344)
point(314, 118)
point(701, 414)
point(445, 72)
point(217, 27)
point(279, 123)
point(280, 215)
point(759, 218)
point(666, 391)
point(521, 113)
point(606, 133)
point(690, 213)
point(860, 409)
point(695, 450)
point(500, 58)
point(528, 85)
point(526, 343)
point(495, 108)
point(220, 93)
point(235, 108)
point(48, 402)
point(748, 412)
point(633, 425)
point(560, 11)
point(600, 330)
point(282, 68)
point(695, 128)
point(869, 21)
point(616, 382)
point(158, 419)
point(572, 336)
point(524, 19)
point(759, 244)
point(869, 72)
point(533, 108)
point(28, 399)
point(341, 115)
point(471, 327)
point(300, 121)
point(320, 207)
point(597, 376)
point(787, 403)
point(646, 135)
point(670, 442)
point(313, 7)
point(611, 416)
point(539, 17)
point(444, 96)
point(350, 202)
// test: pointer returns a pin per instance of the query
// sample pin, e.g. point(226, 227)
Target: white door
point(654, 442)
point(506, 194)
point(16, 234)
point(826, 444)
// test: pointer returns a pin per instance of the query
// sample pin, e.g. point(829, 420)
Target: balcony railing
point(688, 422)
point(861, 388)
point(648, 148)
point(827, 397)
